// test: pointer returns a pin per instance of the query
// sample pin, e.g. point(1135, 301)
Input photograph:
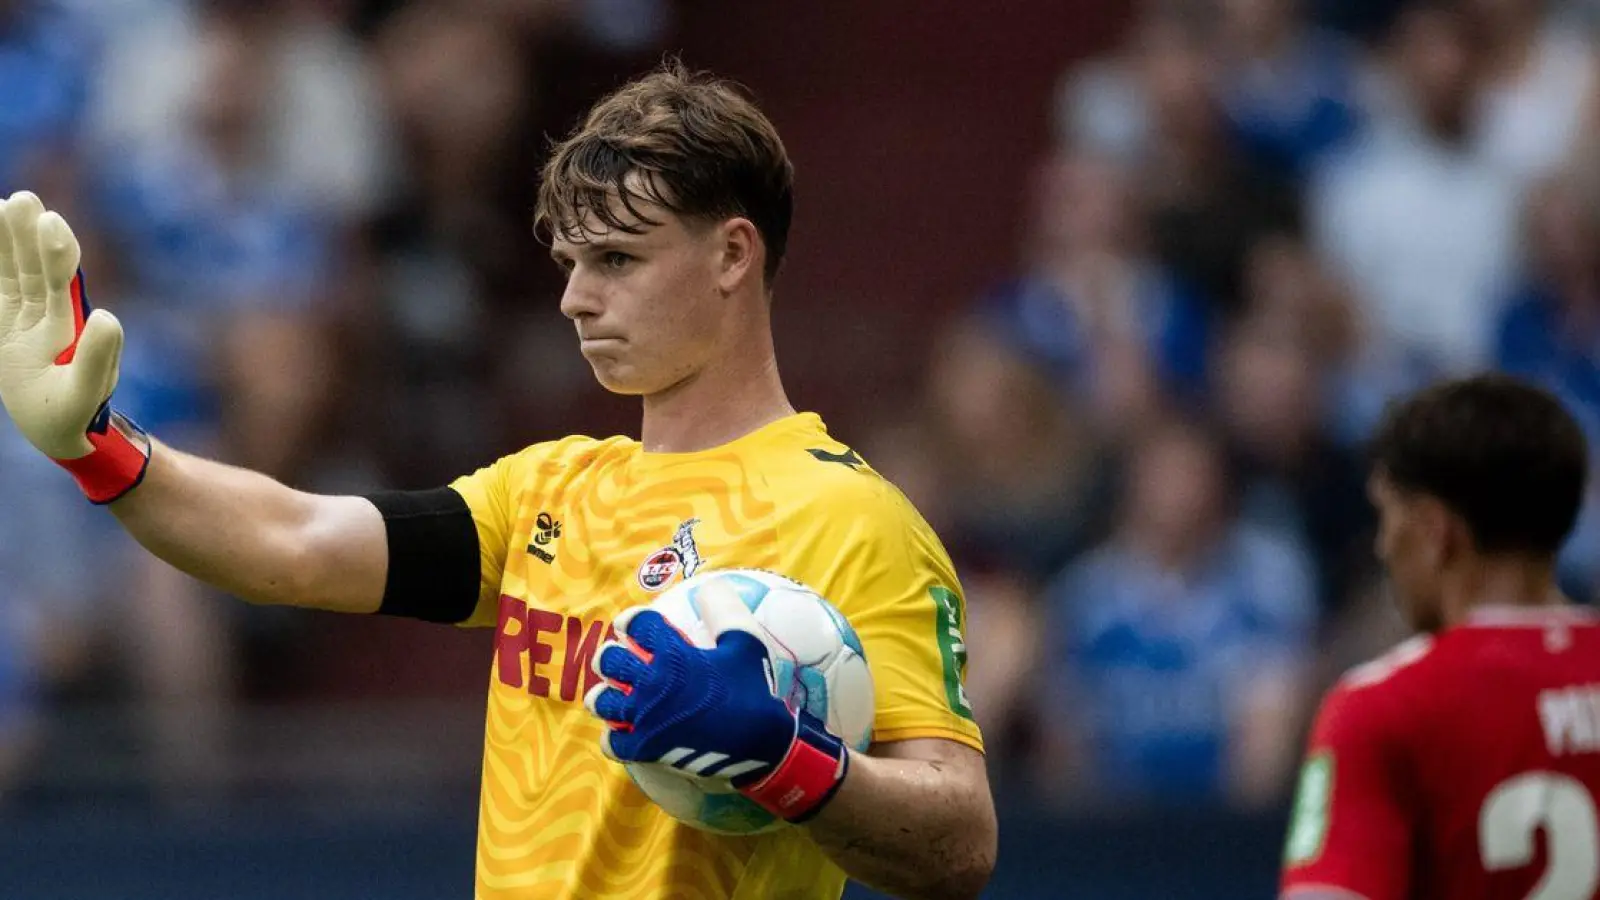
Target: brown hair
point(692, 144)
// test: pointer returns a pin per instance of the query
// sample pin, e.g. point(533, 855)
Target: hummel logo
point(847, 458)
point(548, 530)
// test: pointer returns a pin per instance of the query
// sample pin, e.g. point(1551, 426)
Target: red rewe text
point(558, 648)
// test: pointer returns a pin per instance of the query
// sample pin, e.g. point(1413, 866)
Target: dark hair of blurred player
point(1477, 484)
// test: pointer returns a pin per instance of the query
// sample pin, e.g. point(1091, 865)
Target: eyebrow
point(604, 245)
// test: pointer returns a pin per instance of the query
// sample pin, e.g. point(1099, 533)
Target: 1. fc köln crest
point(681, 557)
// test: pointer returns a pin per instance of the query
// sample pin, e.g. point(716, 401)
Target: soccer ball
point(817, 660)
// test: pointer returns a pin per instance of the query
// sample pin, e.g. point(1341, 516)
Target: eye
point(565, 265)
point(615, 259)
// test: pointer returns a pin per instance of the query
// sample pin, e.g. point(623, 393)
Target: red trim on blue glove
point(807, 778)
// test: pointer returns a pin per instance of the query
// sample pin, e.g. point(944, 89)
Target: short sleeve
point(1351, 828)
point(488, 493)
point(887, 572)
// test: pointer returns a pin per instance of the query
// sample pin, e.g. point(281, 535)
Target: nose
point(581, 299)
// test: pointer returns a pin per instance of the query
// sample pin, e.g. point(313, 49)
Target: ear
point(1460, 541)
point(740, 254)
point(1442, 532)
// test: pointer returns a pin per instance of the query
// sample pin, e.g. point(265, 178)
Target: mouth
point(598, 344)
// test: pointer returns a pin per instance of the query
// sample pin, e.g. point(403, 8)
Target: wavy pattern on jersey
point(645, 517)
point(557, 819)
point(548, 805)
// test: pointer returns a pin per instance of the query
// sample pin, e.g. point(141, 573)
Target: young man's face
point(649, 308)
point(1410, 552)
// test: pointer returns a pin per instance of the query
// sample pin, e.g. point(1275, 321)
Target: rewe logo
point(547, 653)
point(547, 529)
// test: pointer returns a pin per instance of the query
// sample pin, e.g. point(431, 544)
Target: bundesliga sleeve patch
point(1308, 828)
point(952, 649)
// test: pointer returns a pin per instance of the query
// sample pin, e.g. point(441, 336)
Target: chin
point(618, 386)
point(619, 380)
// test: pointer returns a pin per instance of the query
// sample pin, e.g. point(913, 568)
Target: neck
point(720, 403)
point(1174, 552)
point(1511, 582)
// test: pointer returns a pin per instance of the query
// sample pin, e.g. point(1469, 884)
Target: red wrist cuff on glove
point(805, 780)
point(120, 458)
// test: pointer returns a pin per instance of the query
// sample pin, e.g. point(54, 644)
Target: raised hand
point(58, 357)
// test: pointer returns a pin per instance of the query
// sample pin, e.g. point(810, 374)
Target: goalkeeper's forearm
point(256, 538)
point(913, 820)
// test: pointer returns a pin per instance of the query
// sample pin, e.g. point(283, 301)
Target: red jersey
point(1463, 766)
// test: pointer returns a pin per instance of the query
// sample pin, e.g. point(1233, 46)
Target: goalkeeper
point(668, 210)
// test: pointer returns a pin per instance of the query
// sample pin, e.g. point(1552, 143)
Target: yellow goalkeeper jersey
point(572, 532)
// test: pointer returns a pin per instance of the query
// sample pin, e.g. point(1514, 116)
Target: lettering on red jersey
point(1571, 719)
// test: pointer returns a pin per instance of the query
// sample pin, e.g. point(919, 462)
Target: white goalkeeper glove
point(59, 358)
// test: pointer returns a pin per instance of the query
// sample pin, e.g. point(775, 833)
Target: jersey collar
point(1508, 616)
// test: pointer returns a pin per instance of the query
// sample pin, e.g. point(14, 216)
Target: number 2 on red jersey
point(1513, 815)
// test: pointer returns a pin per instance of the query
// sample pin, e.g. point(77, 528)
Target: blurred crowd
point(1259, 221)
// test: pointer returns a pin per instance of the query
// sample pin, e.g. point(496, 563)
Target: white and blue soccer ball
point(817, 660)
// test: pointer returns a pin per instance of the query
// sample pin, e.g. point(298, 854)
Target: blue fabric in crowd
point(1154, 662)
point(1035, 315)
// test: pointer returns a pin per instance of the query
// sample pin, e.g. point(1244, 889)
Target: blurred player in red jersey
point(1464, 764)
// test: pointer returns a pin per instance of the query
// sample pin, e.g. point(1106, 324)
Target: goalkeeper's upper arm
point(882, 565)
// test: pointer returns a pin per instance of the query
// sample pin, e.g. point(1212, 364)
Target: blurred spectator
point(1117, 331)
point(45, 70)
point(1009, 476)
point(1288, 89)
point(239, 261)
point(1419, 222)
point(1550, 333)
point(453, 238)
point(1540, 82)
point(1208, 203)
point(1291, 300)
point(1017, 485)
point(1177, 651)
point(321, 126)
point(1298, 483)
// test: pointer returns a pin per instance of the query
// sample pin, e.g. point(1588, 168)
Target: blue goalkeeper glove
point(713, 713)
point(59, 358)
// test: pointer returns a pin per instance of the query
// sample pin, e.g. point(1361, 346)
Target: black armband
point(434, 567)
